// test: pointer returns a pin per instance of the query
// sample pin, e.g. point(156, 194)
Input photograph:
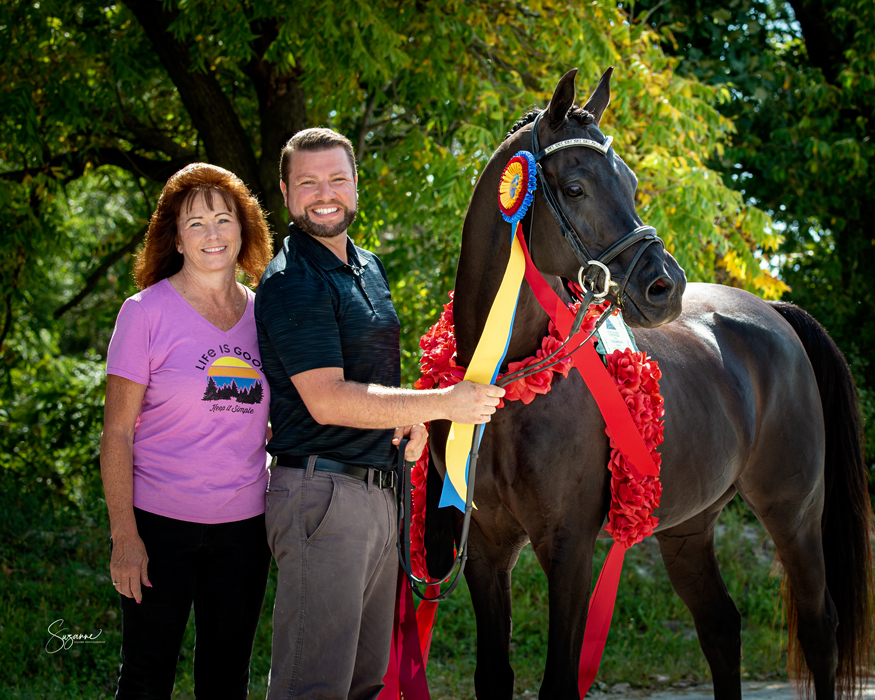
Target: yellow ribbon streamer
point(488, 355)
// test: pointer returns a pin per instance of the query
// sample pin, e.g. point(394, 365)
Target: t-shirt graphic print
point(231, 378)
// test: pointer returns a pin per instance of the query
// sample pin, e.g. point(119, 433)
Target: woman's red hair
point(159, 257)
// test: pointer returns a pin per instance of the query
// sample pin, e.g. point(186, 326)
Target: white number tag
point(614, 334)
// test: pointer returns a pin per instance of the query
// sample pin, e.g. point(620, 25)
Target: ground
point(753, 690)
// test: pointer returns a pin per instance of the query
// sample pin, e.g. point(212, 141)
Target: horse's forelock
point(575, 114)
point(580, 115)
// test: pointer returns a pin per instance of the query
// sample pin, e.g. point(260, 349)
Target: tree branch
point(525, 41)
point(7, 320)
point(364, 128)
point(69, 166)
point(152, 138)
point(210, 110)
point(482, 50)
point(155, 170)
point(652, 10)
point(97, 273)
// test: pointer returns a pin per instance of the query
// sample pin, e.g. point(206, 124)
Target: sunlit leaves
point(424, 90)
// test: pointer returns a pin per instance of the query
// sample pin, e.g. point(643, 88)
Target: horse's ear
point(598, 101)
point(563, 98)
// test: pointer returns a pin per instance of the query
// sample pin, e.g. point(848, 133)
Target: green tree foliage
point(99, 104)
point(802, 81)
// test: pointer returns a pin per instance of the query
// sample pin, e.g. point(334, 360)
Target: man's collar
point(322, 255)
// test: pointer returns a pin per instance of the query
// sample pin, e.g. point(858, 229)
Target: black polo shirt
point(313, 311)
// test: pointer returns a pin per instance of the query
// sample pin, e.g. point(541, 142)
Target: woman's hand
point(129, 566)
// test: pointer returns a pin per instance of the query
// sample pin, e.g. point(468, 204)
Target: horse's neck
point(482, 263)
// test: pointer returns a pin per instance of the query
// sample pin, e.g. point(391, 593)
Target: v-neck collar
point(233, 329)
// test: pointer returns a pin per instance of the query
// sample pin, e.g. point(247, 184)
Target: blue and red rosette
point(516, 187)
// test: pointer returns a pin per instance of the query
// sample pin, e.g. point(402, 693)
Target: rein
point(404, 517)
point(403, 470)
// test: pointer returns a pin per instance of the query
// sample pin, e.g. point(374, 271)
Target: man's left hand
point(417, 435)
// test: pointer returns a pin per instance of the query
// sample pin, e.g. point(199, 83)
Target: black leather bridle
point(591, 267)
point(587, 276)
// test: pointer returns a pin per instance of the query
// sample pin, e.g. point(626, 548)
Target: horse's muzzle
point(656, 297)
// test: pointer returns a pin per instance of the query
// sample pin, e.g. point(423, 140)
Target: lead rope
point(404, 513)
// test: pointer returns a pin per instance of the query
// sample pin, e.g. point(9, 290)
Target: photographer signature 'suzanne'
point(60, 641)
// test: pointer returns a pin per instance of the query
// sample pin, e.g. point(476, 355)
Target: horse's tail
point(847, 515)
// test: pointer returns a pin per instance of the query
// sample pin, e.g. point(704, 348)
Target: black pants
point(220, 568)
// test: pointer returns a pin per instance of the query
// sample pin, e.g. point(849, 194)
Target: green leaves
point(800, 82)
point(100, 104)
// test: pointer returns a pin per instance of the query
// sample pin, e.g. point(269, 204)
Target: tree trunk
point(282, 108)
point(225, 141)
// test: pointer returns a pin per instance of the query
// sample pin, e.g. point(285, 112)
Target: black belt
point(383, 479)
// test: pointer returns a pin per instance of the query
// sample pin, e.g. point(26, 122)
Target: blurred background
point(750, 125)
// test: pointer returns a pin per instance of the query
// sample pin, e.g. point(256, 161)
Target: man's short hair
point(315, 139)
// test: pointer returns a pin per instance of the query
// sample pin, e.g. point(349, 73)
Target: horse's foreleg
point(487, 574)
point(567, 561)
point(688, 552)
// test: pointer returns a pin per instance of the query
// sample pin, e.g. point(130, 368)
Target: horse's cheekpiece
point(590, 266)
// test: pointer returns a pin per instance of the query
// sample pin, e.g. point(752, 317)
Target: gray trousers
point(333, 539)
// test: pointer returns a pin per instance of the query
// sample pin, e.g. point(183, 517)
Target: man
point(329, 345)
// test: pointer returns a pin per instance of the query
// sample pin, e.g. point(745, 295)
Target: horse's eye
point(574, 191)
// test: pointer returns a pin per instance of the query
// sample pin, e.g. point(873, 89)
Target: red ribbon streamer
point(598, 621)
point(405, 677)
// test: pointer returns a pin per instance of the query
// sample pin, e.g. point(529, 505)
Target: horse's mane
point(575, 113)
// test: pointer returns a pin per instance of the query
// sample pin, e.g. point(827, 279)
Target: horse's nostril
point(659, 289)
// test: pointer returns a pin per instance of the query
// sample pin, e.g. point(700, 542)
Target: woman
point(182, 452)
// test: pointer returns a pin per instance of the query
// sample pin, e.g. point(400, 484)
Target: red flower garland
point(633, 497)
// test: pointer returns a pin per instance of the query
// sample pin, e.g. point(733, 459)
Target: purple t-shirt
point(199, 439)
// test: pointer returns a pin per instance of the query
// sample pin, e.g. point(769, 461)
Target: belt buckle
point(385, 480)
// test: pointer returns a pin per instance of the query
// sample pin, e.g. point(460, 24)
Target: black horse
point(759, 402)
